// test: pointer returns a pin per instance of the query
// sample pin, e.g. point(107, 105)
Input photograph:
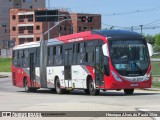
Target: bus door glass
point(32, 69)
point(68, 62)
point(99, 77)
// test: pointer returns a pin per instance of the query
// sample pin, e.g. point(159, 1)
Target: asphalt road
point(15, 99)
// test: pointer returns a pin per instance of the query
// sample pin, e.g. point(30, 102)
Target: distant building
point(5, 6)
point(79, 26)
point(24, 28)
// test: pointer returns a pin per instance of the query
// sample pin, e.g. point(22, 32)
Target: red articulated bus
point(92, 60)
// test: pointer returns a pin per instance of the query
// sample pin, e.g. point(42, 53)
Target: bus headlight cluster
point(116, 77)
point(147, 76)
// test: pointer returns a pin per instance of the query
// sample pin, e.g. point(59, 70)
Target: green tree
point(157, 40)
point(149, 38)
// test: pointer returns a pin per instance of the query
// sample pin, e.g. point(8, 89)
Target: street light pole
point(131, 28)
point(49, 22)
point(141, 28)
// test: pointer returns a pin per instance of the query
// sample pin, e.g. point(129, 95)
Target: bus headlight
point(147, 76)
point(116, 77)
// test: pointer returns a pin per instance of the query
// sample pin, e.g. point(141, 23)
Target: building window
point(85, 28)
point(79, 29)
point(60, 27)
point(13, 17)
point(27, 0)
point(37, 27)
point(38, 39)
point(21, 18)
point(14, 28)
point(30, 18)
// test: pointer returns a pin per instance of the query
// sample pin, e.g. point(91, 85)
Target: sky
point(122, 14)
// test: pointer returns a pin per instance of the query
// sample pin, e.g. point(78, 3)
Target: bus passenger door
point(32, 69)
point(99, 77)
point(67, 68)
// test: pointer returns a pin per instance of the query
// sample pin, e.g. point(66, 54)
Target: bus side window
point(25, 61)
point(21, 56)
point(82, 47)
point(58, 57)
point(78, 47)
point(54, 50)
point(50, 57)
point(81, 52)
point(89, 59)
point(37, 56)
point(15, 57)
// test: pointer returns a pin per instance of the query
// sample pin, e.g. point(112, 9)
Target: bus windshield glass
point(129, 57)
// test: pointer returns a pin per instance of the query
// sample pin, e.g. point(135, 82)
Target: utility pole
point(131, 28)
point(141, 28)
point(49, 22)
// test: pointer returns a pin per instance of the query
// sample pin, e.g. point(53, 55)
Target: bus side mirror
point(150, 49)
point(105, 50)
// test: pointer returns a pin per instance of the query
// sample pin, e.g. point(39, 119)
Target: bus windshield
point(129, 57)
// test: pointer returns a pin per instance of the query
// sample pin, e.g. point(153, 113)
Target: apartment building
point(5, 6)
point(24, 28)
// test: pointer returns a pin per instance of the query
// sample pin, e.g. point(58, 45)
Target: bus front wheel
point(92, 89)
point(59, 90)
point(128, 91)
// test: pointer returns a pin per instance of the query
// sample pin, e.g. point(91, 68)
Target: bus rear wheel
point(128, 91)
point(27, 88)
point(59, 90)
point(92, 90)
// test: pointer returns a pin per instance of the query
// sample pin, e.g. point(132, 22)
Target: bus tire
point(53, 90)
point(59, 90)
point(86, 91)
point(128, 91)
point(92, 89)
point(67, 91)
point(26, 87)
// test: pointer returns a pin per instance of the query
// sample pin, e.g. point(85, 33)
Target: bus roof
point(94, 34)
point(118, 34)
point(27, 45)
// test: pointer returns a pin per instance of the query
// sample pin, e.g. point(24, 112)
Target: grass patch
point(155, 56)
point(156, 82)
point(5, 64)
point(155, 68)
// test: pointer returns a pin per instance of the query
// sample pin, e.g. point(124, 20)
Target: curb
point(152, 89)
point(2, 76)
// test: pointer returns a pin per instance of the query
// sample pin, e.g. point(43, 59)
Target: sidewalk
point(152, 89)
point(5, 74)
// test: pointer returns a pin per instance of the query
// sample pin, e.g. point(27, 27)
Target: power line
point(132, 12)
